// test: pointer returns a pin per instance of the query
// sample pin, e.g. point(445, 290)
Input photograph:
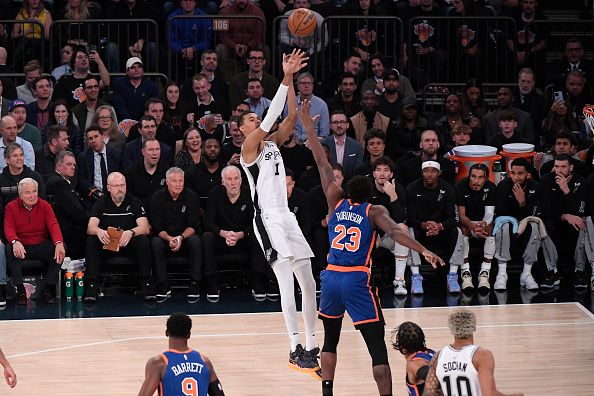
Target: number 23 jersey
point(351, 235)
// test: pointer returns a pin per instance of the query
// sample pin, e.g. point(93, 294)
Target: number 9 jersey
point(351, 235)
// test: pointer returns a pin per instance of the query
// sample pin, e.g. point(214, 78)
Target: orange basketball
point(302, 22)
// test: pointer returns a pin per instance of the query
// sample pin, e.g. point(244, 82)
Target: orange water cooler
point(509, 157)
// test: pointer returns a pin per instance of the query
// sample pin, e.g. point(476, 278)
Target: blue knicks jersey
point(417, 390)
point(351, 235)
point(186, 374)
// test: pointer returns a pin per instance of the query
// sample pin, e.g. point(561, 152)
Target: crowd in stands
point(160, 161)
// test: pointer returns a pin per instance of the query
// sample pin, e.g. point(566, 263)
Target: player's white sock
point(307, 283)
point(284, 276)
point(527, 268)
point(454, 268)
point(488, 253)
point(400, 267)
point(414, 269)
point(465, 266)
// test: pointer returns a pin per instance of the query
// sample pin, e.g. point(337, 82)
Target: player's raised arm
point(287, 126)
point(399, 233)
point(251, 146)
point(331, 188)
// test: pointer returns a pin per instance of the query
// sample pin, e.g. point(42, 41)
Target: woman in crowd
point(175, 112)
point(105, 119)
point(474, 106)
point(59, 114)
point(191, 151)
point(558, 120)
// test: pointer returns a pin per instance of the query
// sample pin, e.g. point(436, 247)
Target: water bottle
point(80, 285)
point(69, 286)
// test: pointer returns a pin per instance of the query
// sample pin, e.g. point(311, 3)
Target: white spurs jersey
point(456, 373)
point(266, 177)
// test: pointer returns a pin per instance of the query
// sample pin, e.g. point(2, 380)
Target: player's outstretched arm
point(9, 375)
point(251, 146)
point(214, 386)
point(332, 190)
point(484, 362)
point(287, 126)
point(399, 233)
point(432, 386)
point(152, 376)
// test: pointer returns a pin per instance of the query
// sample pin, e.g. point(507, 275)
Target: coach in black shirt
point(175, 220)
point(125, 212)
point(147, 175)
point(228, 228)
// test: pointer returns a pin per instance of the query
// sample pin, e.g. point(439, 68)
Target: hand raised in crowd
point(562, 181)
point(390, 189)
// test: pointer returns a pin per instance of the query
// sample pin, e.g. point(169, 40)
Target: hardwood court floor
point(540, 349)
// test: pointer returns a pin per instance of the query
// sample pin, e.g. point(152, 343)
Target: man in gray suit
point(505, 99)
point(344, 150)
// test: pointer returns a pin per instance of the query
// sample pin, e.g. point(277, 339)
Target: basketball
point(302, 22)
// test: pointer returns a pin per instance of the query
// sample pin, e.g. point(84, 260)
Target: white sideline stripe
point(585, 310)
point(283, 333)
point(473, 307)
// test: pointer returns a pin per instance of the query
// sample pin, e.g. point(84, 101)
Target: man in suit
point(133, 150)
point(343, 149)
point(505, 99)
point(95, 164)
point(573, 60)
point(530, 99)
point(68, 206)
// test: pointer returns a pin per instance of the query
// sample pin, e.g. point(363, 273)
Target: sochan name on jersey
point(451, 366)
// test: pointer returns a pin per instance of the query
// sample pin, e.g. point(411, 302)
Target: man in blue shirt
point(130, 92)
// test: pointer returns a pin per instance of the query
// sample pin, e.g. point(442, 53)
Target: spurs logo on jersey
point(456, 373)
point(266, 177)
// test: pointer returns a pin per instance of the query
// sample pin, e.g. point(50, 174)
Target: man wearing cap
point(375, 83)
point(369, 117)
point(390, 101)
point(18, 111)
point(431, 214)
point(70, 87)
point(130, 92)
point(8, 130)
point(411, 169)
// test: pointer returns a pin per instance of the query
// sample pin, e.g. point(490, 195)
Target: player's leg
point(503, 255)
point(401, 255)
point(284, 276)
point(304, 275)
point(414, 260)
point(454, 236)
point(465, 273)
point(488, 253)
point(373, 334)
point(332, 328)
point(530, 256)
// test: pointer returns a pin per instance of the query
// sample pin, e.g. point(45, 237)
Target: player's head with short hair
point(359, 189)
point(462, 323)
point(179, 325)
point(408, 338)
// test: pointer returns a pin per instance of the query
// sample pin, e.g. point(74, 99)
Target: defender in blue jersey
point(346, 282)
point(180, 370)
point(409, 340)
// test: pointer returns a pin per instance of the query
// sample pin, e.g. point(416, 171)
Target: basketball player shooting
point(462, 367)
point(275, 226)
point(346, 282)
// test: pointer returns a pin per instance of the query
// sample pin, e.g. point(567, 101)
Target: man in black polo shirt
point(228, 227)
point(125, 212)
point(207, 174)
point(148, 175)
point(475, 198)
point(516, 199)
point(431, 213)
point(175, 220)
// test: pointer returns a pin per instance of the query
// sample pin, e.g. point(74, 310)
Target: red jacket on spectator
point(243, 31)
point(31, 227)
